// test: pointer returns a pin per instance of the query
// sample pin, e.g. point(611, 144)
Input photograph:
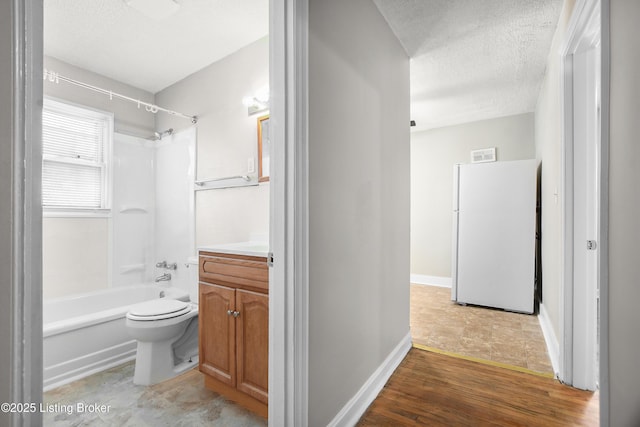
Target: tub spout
point(164, 278)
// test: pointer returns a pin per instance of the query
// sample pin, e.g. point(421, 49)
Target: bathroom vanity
point(234, 323)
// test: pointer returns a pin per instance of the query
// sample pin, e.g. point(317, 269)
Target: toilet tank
point(192, 278)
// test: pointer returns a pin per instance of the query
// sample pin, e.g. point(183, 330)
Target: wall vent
point(483, 155)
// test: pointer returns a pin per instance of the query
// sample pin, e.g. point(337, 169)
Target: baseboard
point(358, 404)
point(553, 348)
point(420, 279)
point(75, 369)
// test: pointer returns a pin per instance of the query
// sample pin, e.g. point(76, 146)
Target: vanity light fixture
point(258, 102)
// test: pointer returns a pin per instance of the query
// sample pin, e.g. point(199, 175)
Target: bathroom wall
point(76, 256)
point(128, 117)
point(358, 200)
point(433, 154)
point(227, 138)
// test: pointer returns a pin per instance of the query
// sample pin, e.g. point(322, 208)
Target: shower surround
point(152, 220)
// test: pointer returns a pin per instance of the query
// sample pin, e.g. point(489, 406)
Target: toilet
point(167, 333)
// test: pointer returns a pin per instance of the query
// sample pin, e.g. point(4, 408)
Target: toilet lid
point(158, 309)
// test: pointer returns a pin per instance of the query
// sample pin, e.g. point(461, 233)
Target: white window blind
point(76, 147)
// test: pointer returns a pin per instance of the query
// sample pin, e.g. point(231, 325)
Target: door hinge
point(591, 245)
point(270, 259)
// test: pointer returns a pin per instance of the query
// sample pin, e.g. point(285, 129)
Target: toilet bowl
point(167, 335)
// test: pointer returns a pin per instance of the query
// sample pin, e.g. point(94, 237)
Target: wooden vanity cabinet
point(234, 327)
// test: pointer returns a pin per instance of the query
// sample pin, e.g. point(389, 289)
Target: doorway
point(583, 215)
point(24, 22)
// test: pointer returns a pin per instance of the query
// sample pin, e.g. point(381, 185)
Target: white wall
point(227, 138)
point(548, 143)
point(624, 215)
point(76, 250)
point(358, 200)
point(433, 154)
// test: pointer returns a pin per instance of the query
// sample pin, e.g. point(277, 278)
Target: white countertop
point(250, 248)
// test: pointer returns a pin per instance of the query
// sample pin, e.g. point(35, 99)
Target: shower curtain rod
point(152, 108)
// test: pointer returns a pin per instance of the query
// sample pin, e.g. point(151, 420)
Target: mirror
point(264, 149)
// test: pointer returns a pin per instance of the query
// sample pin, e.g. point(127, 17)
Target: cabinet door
point(217, 333)
point(252, 340)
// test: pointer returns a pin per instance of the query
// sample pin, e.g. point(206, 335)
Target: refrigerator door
point(496, 235)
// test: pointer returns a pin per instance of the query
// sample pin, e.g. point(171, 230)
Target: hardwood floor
point(439, 390)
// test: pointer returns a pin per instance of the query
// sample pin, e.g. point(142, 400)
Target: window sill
point(76, 213)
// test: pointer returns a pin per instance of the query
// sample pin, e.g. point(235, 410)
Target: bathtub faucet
point(164, 278)
point(167, 266)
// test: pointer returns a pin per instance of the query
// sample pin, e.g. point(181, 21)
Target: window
point(76, 158)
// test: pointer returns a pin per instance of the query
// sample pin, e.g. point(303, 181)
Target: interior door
point(586, 65)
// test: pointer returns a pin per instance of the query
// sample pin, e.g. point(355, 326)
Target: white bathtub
point(84, 334)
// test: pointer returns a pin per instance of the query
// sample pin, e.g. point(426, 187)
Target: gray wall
point(6, 205)
point(433, 154)
point(20, 225)
point(624, 215)
point(358, 199)
point(227, 138)
point(128, 117)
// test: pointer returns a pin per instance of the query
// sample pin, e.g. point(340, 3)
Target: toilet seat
point(158, 309)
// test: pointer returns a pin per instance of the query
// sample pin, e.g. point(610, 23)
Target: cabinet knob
point(230, 312)
point(236, 313)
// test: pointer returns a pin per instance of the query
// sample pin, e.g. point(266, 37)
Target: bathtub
point(84, 334)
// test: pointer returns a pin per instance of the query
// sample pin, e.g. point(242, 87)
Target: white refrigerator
point(494, 220)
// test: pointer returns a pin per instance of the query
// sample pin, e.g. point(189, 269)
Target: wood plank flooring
point(439, 390)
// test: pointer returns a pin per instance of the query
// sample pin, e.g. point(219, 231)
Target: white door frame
point(588, 25)
point(288, 328)
point(25, 364)
point(289, 278)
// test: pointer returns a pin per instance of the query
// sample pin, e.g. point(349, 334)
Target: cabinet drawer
point(236, 271)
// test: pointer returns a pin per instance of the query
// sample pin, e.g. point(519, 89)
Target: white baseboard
point(421, 279)
point(358, 404)
point(553, 348)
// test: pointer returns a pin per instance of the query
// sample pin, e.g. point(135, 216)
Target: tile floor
point(496, 335)
point(181, 401)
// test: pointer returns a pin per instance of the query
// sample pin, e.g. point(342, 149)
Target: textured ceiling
point(473, 59)
point(115, 40)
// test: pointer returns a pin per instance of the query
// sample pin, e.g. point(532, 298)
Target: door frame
point(23, 370)
point(289, 215)
point(590, 19)
point(288, 305)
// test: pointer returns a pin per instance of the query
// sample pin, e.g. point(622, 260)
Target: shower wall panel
point(133, 211)
point(175, 206)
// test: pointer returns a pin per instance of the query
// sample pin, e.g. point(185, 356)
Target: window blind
point(75, 153)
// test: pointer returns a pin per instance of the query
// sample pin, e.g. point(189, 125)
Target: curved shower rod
point(152, 108)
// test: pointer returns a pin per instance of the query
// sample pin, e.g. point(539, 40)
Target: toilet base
point(154, 363)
